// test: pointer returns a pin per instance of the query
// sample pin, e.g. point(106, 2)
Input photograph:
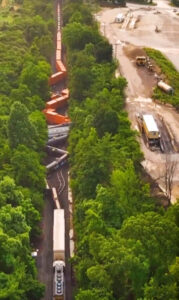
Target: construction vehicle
point(150, 67)
point(141, 60)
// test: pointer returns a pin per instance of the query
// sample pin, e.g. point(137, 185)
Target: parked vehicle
point(141, 60)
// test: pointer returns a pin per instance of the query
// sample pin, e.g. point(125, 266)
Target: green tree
point(132, 195)
point(36, 76)
point(20, 129)
point(9, 192)
point(106, 121)
point(35, 27)
point(28, 171)
point(95, 294)
point(76, 35)
point(38, 121)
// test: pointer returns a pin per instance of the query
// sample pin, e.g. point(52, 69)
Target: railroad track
point(61, 181)
point(165, 140)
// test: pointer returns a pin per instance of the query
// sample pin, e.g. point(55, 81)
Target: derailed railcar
point(151, 130)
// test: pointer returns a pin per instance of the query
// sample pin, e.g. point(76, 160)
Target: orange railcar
point(59, 37)
point(58, 55)
point(54, 96)
point(60, 67)
point(56, 77)
point(54, 118)
point(56, 103)
point(66, 92)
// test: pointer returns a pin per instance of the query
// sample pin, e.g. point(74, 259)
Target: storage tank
point(59, 235)
point(165, 87)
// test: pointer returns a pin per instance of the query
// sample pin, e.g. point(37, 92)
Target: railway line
point(165, 139)
point(62, 182)
point(59, 280)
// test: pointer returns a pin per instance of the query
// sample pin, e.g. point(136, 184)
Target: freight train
point(57, 101)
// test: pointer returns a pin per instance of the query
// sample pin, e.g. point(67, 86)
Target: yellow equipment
point(141, 60)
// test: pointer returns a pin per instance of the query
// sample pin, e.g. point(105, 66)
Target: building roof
point(150, 123)
point(59, 230)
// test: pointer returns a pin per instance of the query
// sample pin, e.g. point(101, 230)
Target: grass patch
point(171, 77)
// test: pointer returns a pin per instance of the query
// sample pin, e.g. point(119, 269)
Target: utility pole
point(116, 48)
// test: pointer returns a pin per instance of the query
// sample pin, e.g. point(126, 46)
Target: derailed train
point(57, 101)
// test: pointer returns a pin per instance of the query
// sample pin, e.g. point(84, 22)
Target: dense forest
point(126, 243)
point(26, 45)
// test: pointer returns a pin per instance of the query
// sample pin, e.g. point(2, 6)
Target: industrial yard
point(128, 39)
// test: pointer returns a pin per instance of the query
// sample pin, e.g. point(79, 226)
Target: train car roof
point(59, 230)
point(150, 123)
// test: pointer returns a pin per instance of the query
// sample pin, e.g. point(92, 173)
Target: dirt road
point(127, 38)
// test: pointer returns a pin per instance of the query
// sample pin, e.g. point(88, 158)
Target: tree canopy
point(126, 244)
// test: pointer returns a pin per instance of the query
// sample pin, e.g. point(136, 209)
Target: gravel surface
point(127, 43)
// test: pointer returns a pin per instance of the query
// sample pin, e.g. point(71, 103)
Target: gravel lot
point(136, 31)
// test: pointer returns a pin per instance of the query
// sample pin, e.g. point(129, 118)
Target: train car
point(56, 77)
point(55, 198)
point(58, 55)
point(58, 131)
point(59, 162)
point(56, 140)
point(53, 117)
point(60, 67)
point(59, 235)
point(150, 129)
point(56, 103)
